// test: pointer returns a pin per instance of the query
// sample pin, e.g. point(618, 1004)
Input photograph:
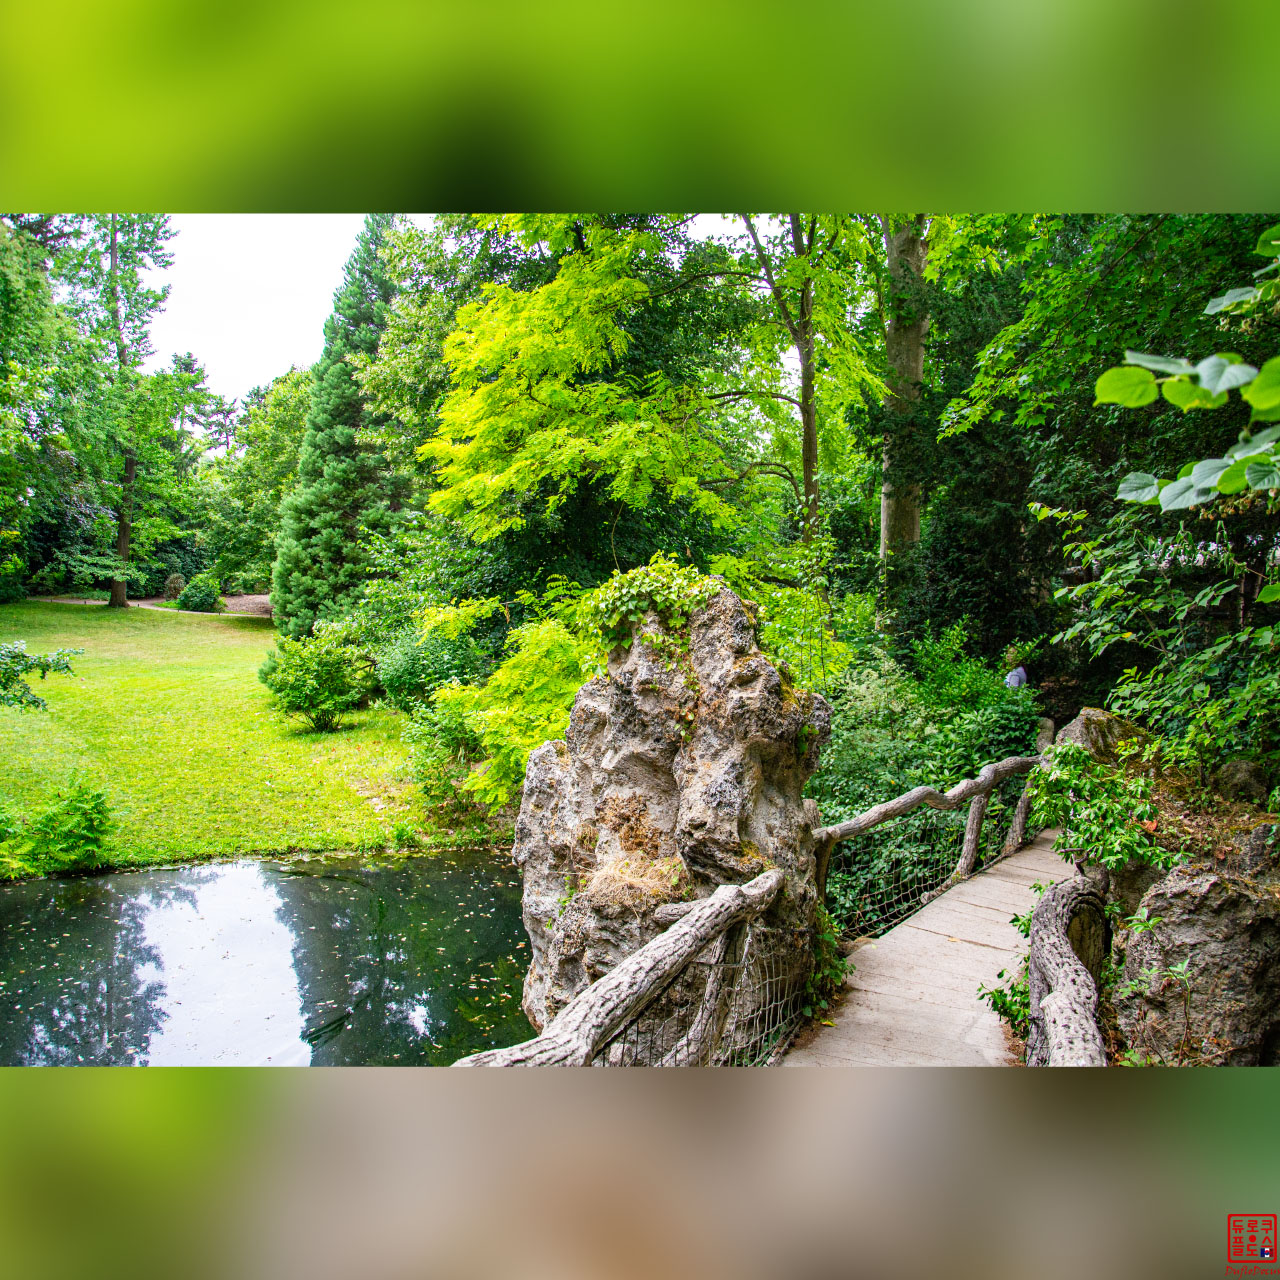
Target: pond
point(332, 961)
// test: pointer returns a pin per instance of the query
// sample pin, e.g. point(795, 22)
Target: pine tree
point(345, 489)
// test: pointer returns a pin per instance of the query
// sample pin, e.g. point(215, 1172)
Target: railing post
point(1022, 812)
point(972, 835)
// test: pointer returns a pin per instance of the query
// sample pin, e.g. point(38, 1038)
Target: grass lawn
point(166, 713)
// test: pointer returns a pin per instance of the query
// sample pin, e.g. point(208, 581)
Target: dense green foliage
point(242, 490)
point(526, 431)
point(892, 730)
point(200, 595)
point(1100, 809)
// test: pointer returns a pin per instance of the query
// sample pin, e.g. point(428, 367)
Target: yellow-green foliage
point(524, 703)
point(527, 699)
point(795, 621)
point(528, 413)
point(165, 715)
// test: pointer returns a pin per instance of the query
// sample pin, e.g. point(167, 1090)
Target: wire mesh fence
point(735, 1004)
point(878, 879)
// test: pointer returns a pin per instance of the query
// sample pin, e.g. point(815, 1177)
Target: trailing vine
point(662, 586)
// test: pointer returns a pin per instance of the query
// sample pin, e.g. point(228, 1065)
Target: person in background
point(1018, 676)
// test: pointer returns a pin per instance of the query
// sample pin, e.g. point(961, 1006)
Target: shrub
point(64, 839)
point(523, 704)
point(412, 666)
point(891, 732)
point(1100, 808)
point(174, 585)
point(201, 595)
point(951, 680)
point(317, 677)
point(977, 737)
point(441, 748)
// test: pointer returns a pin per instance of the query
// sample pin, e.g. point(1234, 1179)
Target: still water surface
point(335, 961)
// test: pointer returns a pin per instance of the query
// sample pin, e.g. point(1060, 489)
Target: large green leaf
point(1208, 472)
point(1126, 386)
point(1138, 486)
point(1263, 474)
point(1160, 364)
point(1218, 373)
point(1188, 395)
point(1233, 479)
point(1259, 442)
point(1181, 494)
point(1264, 391)
point(1229, 299)
point(1269, 594)
point(1269, 243)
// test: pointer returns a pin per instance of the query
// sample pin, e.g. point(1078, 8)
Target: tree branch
point(779, 470)
point(778, 298)
point(744, 395)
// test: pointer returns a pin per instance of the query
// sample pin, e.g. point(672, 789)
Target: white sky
point(250, 292)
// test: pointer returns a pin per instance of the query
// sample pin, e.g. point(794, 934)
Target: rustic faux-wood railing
point(707, 932)
point(975, 792)
point(720, 1005)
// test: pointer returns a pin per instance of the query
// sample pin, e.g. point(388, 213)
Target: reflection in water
point(225, 959)
point(332, 961)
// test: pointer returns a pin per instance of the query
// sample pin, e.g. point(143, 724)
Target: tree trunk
point(124, 530)
point(804, 345)
point(119, 598)
point(905, 325)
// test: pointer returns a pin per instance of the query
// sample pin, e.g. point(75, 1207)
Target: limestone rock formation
point(679, 772)
point(1227, 927)
point(1098, 732)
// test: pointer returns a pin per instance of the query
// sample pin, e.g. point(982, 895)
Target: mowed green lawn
point(166, 713)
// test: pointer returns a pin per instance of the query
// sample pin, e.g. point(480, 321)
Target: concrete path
point(912, 999)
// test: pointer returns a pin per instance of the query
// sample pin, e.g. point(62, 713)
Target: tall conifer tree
point(345, 489)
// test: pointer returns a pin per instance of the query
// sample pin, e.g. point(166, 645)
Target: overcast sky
point(250, 292)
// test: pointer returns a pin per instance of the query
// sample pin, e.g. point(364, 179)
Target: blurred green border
point(995, 104)
point(322, 106)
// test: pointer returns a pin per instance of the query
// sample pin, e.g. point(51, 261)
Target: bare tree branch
point(778, 297)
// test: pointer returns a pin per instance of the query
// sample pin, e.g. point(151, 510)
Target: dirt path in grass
point(258, 606)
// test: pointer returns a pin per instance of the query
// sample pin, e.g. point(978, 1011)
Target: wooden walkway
point(912, 999)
